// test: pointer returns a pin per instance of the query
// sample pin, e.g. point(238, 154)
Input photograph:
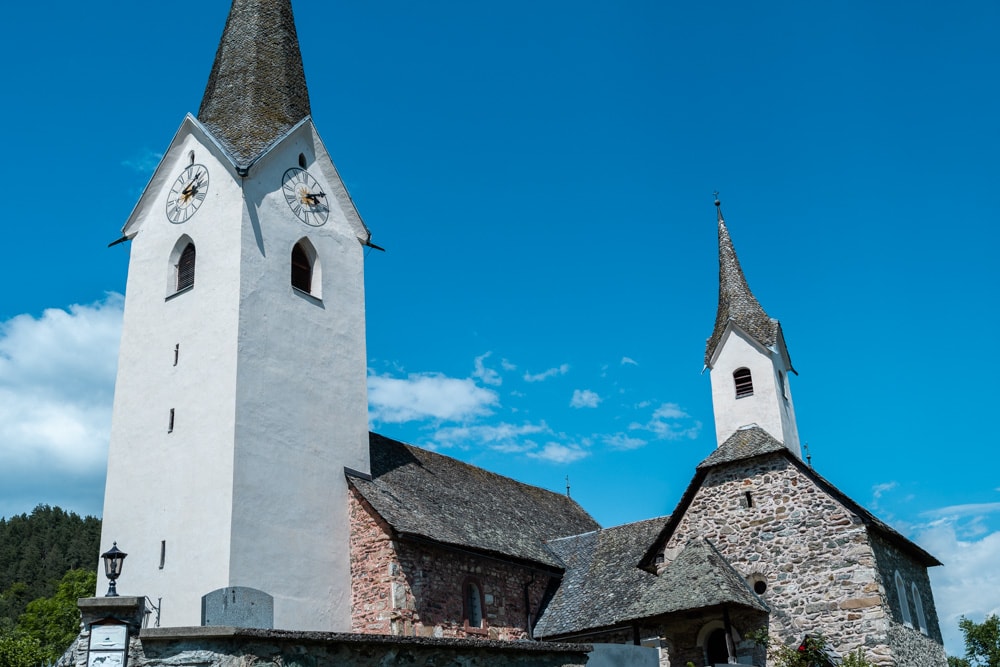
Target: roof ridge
point(257, 89)
point(736, 302)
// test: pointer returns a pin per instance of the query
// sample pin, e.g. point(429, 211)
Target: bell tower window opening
point(302, 160)
point(743, 382)
point(301, 269)
point(185, 268)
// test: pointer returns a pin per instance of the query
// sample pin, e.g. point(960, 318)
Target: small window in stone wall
point(473, 605)
point(919, 604)
point(743, 381)
point(747, 500)
point(758, 582)
point(904, 604)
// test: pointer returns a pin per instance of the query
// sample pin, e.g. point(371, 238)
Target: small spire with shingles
point(257, 89)
point(736, 301)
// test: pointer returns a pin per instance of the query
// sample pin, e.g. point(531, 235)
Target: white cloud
point(953, 512)
point(507, 366)
point(670, 422)
point(487, 375)
point(555, 452)
point(503, 436)
point(967, 585)
point(545, 375)
point(584, 398)
point(620, 441)
point(144, 163)
point(879, 489)
point(628, 361)
point(423, 396)
point(57, 375)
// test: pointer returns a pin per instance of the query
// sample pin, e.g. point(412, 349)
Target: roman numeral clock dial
point(187, 193)
point(305, 197)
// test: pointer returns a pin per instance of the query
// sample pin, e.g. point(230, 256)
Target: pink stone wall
point(400, 587)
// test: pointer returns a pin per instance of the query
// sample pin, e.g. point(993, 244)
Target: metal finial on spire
point(567, 486)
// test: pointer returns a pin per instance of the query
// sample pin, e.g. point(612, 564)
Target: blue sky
point(541, 175)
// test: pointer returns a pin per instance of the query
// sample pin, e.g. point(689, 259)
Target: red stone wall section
point(405, 588)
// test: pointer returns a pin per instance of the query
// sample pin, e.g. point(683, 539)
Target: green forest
point(48, 559)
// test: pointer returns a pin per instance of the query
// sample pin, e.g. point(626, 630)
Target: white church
point(241, 388)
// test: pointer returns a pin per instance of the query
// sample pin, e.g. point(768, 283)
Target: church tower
point(241, 389)
point(747, 358)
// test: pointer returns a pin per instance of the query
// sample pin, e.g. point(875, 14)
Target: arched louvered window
point(743, 382)
point(302, 269)
point(904, 604)
point(185, 268)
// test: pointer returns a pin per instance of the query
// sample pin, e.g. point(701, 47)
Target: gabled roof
point(753, 442)
point(700, 577)
point(736, 302)
point(602, 585)
point(424, 495)
point(604, 588)
point(256, 91)
point(743, 444)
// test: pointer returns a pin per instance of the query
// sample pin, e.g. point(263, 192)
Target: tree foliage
point(811, 652)
point(36, 550)
point(982, 641)
point(55, 622)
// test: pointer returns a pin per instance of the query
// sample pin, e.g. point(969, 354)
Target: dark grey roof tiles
point(257, 89)
point(736, 301)
point(422, 494)
point(743, 444)
point(602, 584)
point(698, 578)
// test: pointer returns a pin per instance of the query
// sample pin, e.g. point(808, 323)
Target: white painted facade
point(770, 405)
point(268, 392)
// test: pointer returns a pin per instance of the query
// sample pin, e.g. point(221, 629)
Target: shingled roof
point(743, 444)
point(257, 89)
point(602, 585)
point(604, 588)
point(425, 495)
point(736, 302)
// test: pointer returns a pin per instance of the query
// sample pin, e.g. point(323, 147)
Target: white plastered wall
point(269, 395)
point(770, 406)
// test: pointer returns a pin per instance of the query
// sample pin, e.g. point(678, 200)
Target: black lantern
point(113, 559)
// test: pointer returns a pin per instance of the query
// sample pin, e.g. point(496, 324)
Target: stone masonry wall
point(812, 552)
point(404, 588)
point(910, 645)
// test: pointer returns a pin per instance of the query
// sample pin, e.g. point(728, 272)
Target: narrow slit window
point(185, 268)
point(473, 605)
point(301, 269)
point(743, 382)
point(904, 605)
point(170, 421)
point(177, 353)
point(163, 553)
point(749, 499)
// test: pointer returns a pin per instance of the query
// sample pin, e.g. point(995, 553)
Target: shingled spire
point(257, 89)
point(736, 301)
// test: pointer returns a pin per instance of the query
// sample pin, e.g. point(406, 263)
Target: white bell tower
point(241, 391)
point(747, 357)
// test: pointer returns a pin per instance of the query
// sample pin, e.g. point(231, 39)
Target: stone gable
point(775, 525)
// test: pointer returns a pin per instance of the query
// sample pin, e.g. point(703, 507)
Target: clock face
point(187, 193)
point(305, 197)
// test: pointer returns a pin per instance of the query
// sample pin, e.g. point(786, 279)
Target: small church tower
point(747, 358)
point(241, 389)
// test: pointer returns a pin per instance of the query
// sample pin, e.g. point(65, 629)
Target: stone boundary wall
point(242, 647)
point(405, 588)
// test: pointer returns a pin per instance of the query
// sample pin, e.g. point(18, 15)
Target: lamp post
point(113, 559)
